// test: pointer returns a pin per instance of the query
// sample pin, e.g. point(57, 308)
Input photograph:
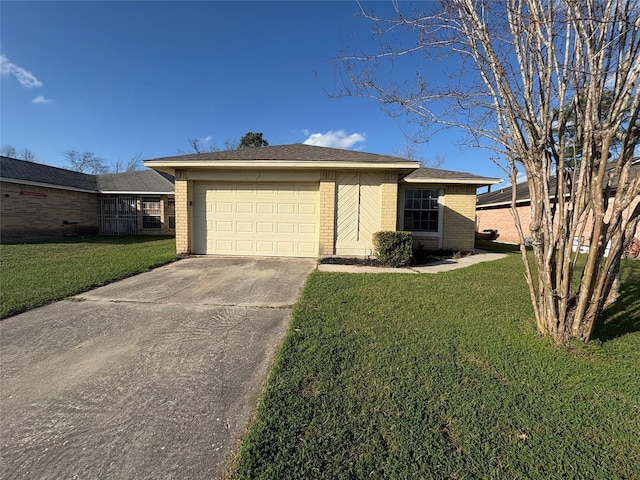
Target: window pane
point(421, 210)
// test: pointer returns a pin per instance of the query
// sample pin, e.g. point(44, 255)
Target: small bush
point(394, 249)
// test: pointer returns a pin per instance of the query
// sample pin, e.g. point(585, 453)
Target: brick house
point(303, 200)
point(41, 201)
point(493, 210)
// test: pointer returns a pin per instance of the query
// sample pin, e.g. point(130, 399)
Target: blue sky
point(125, 78)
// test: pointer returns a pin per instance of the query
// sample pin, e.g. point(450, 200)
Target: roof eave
point(134, 192)
point(481, 182)
point(169, 166)
point(47, 185)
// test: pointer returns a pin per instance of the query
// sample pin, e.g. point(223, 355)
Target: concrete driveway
point(155, 376)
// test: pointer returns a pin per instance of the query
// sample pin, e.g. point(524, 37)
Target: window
point(151, 213)
point(421, 210)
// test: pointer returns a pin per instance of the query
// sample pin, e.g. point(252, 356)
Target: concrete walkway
point(441, 266)
point(155, 376)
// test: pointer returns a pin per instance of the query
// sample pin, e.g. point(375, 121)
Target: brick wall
point(501, 219)
point(183, 244)
point(459, 218)
point(327, 212)
point(389, 202)
point(29, 212)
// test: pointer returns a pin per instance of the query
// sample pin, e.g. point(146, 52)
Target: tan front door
point(358, 212)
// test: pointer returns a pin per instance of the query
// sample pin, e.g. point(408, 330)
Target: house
point(493, 210)
point(41, 201)
point(136, 203)
point(308, 201)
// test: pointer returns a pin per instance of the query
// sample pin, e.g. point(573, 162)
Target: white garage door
point(256, 219)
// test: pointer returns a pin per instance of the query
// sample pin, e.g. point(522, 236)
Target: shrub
point(394, 249)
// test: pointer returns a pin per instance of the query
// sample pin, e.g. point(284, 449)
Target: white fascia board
point(466, 181)
point(284, 165)
point(134, 192)
point(46, 185)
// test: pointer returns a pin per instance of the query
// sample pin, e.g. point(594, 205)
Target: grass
point(497, 246)
point(442, 376)
point(38, 273)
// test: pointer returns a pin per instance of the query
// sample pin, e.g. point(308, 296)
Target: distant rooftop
point(31, 173)
point(39, 174)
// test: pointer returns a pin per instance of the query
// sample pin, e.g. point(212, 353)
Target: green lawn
point(38, 273)
point(401, 376)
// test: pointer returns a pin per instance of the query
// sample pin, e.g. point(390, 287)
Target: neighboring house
point(494, 212)
point(306, 201)
point(41, 201)
point(136, 203)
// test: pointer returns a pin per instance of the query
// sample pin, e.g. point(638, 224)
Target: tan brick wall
point(183, 218)
point(459, 218)
point(29, 212)
point(389, 202)
point(327, 212)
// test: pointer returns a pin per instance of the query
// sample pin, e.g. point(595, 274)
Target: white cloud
point(41, 99)
point(334, 139)
point(26, 78)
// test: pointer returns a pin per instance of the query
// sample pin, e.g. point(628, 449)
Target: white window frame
point(422, 234)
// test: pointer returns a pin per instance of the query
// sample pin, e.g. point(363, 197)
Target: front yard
point(441, 376)
point(38, 273)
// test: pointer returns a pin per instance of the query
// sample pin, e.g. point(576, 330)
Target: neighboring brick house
point(303, 200)
point(493, 210)
point(41, 201)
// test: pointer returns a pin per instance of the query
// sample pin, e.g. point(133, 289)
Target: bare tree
point(410, 152)
point(131, 166)
point(86, 162)
point(20, 154)
point(518, 65)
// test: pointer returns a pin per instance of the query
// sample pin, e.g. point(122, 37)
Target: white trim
point(46, 185)
point(466, 181)
point(441, 205)
point(133, 192)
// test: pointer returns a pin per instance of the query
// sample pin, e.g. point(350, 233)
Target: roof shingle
point(294, 152)
point(13, 169)
point(141, 181)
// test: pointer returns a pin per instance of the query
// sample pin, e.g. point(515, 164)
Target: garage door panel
point(265, 208)
point(223, 226)
point(222, 207)
point(244, 207)
point(256, 219)
point(244, 227)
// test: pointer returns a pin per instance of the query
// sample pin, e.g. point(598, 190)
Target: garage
point(261, 219)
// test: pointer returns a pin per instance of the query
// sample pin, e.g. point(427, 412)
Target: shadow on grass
point(623, 316)
point(101, 239)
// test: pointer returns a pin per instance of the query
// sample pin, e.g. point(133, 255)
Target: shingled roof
point(33, 173)
point(138, 182)
point(141, 181)
point(293, 153)
point(436, 175)
point(502, 197)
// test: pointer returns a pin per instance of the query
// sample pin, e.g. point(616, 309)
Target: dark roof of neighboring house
point(425, 175)
point(37, 173)
point(293, 152)
point(502, 197)
point(31, 173)
point(141, 181)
